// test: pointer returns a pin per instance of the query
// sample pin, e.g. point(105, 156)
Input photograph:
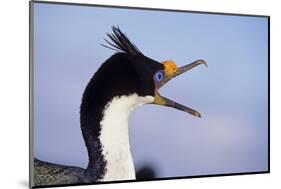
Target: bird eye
point(158, 76)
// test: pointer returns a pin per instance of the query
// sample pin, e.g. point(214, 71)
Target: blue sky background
point(231, 94)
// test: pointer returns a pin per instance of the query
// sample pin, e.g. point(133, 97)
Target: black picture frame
point(31, 91)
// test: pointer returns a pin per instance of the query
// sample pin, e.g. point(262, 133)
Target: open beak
point(172, 71)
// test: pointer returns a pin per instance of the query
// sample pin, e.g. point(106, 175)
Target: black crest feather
point(120, 42)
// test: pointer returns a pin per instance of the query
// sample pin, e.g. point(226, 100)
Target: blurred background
point(231, 94)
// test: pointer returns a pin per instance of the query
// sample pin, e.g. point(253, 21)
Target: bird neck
point(109, 150)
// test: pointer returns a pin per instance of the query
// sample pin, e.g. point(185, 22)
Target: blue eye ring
point(159, 76)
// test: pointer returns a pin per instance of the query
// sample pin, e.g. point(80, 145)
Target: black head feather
point(120, 42)
point(125, 73)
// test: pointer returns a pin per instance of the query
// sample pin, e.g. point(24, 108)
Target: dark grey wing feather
point(53, 174)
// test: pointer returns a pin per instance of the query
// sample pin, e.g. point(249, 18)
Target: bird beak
point(171, 71)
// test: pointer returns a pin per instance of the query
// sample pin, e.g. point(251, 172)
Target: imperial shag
point(125, 80)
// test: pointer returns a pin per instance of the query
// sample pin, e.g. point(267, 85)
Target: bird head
point(133, 72)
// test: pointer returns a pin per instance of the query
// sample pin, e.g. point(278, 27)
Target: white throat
point(114, 136)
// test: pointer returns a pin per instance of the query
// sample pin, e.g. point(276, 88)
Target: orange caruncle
point(170, 67)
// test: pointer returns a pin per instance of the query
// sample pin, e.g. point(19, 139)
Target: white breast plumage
point(114, 136)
